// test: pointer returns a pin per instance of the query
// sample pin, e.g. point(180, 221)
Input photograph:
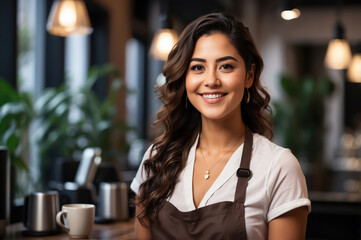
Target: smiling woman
point(213, 174)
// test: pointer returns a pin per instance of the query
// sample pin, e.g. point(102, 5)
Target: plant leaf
point(7, 93)
point(289, 85)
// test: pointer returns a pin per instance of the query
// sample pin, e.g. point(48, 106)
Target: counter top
point(334, 197)
point(118, 230)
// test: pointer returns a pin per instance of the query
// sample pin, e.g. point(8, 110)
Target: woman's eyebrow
point(226, 58)
point(198, 60)
point(217, 60)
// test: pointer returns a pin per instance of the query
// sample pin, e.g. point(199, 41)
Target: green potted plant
point(16, 116)
point(299, 117)
point(73, 120)
point(68, 122)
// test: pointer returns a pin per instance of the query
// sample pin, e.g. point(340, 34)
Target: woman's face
point(216, 77)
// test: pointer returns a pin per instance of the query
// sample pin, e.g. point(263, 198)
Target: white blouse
point(277, 185)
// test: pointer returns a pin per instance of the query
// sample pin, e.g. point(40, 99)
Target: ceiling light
point(289, 11)
point(163, 43)
point(290, 14)
point(354, 70)
point(338, 55)
point(166, 37)
point(68, 17)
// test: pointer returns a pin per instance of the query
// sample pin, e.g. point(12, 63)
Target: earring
point(248, 96)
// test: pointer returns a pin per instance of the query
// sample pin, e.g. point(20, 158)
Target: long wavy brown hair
point(182, 122)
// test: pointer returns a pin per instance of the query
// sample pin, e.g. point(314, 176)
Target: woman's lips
point(212, 97)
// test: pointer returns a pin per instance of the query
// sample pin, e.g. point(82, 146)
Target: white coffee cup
point(78, 219)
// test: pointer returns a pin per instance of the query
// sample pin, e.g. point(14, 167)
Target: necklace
point(208, 171)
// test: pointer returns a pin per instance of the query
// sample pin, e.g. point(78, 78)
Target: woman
point(213, 174)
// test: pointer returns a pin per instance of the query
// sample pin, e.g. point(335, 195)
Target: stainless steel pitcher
point(112, 202)
point(40, 212)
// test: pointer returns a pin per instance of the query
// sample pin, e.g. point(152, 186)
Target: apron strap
point(243, 172)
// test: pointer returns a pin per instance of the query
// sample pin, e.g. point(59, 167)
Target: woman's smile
point(212, 97)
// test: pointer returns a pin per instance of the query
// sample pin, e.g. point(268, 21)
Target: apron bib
point(223, 220)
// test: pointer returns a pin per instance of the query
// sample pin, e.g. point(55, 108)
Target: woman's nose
point(212, 79)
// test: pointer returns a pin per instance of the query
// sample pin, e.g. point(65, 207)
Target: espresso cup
point(78, 219)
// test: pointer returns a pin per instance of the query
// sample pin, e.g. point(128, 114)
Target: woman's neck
point(220, 135)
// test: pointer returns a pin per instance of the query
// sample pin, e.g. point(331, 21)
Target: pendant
point(206, 176)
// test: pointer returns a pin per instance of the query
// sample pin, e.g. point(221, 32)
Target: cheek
point(191, 84)
point(187, 87)
point(239, 87)
point(237, 84)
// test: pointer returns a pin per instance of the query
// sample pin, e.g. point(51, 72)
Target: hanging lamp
point(354, 70)
point(165, 38)
point(289, 10)
point(68, 17)
point(338, 54)
point(163, 42)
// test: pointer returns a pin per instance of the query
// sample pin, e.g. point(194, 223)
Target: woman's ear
point(250, 76)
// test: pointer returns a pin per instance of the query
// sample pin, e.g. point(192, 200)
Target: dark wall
point(8, 40)
point(54, 55)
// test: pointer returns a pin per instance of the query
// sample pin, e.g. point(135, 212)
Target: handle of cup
point(59, 222)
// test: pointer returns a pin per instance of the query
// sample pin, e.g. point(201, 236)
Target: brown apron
point(223, 220)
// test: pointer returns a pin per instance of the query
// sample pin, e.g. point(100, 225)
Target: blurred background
point(85, 77)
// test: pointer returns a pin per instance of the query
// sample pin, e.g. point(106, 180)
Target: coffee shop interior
point(77, 101)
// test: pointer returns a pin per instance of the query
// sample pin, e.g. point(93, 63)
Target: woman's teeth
point(212, 96)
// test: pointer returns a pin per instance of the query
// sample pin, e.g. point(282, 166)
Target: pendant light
point(68, 17)
point(289, 11)
point(163, 43)
point(165, 38)
point(354, 70)
point(338, 54)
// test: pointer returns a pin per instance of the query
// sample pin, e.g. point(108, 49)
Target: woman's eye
point(197, 68)
point(227, 67)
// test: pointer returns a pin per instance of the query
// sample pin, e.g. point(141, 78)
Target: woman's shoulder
point(148, 152)
point(271, 153)
point(141, 175)
point(261, 143)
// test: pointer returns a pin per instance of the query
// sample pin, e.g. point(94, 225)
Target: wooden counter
point(109, 231)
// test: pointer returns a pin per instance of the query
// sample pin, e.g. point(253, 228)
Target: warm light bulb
point(163, 43)
point(67, 16)
point(354, 70)
point(166, 42)
point(338, 55)
point(290, 14)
